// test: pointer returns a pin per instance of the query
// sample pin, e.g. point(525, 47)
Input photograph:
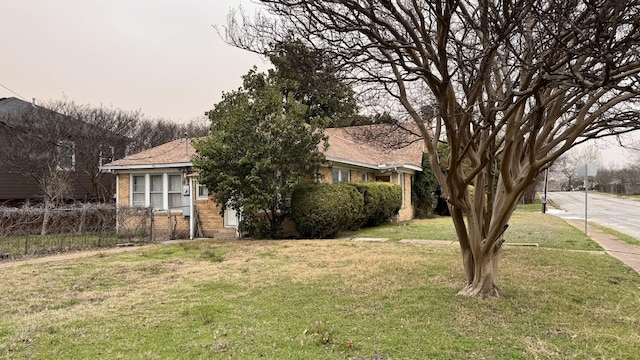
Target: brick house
point(162, 178)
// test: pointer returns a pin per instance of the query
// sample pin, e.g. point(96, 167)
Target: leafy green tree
point(261, 145)
point(425, 190)
point(310, 77)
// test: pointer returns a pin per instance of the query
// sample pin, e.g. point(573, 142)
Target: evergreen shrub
point(382, 201)
point(324, 210)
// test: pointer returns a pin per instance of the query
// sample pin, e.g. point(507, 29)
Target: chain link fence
point(32, 231)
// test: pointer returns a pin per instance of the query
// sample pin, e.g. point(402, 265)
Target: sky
point(163, 57)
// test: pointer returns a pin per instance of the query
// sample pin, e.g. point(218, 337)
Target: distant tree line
point(609, 178)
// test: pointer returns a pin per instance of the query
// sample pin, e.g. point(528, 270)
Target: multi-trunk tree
point(518, 81)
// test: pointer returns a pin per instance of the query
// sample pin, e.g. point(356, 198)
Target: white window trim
point(165, 193)
point(198, 196)
point(147, 190)
point(340, 170)
point(105, 159)
point(131, 193)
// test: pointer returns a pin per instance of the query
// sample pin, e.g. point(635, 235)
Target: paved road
point(616, 213)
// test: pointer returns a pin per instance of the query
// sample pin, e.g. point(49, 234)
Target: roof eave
point(374, 166)
point(400, 166)
point(110, 168)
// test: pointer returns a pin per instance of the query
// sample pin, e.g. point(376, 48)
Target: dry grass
point(316, 299)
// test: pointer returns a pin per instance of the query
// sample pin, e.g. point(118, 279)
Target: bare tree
point(100, 135)
point(604, 178)
point(633, 151)
point(153, 132)
point(566, 164)
point(106, 134)
point(565, 167)
point(34, 146)
point(61, 145)
point(520, 81)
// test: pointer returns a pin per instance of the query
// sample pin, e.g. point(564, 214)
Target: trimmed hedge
point(324, 210)
point(382, 201)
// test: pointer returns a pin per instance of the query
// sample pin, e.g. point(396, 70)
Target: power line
point(30, 134)
point(20, 96)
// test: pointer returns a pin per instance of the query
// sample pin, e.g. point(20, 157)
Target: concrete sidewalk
point(628, 254)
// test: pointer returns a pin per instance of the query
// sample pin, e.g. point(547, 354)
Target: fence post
point(152, 225)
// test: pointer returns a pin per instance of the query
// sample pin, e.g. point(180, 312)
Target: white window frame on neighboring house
point(63, 147)
point(158, 190)
point(106, 155)
point(337, 175)
point(202, 193)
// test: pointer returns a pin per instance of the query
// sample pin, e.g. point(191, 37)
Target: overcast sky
point(161, 56)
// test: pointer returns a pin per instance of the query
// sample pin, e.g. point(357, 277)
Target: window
point(340, 175)
point(138, 191)
point(106, 155)
point(365, 176)
point(66, 155)
point(203, 192)
point(175, 192)
point(157, 191)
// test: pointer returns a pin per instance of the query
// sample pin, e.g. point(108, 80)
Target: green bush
point(259, 226)
point(324, 210)
point(382, 201)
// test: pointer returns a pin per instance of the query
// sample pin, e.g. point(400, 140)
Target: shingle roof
point(360, 144)
point(348, 144)
point(175, 152)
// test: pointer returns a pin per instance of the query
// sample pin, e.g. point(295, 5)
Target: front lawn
point(324, 299)
point(526, 226)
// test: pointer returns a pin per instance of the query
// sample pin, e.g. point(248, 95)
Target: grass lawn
point(527, 225)
point(324, 299)
point(624, 237)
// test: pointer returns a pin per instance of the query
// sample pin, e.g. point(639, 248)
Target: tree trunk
point(45, 217)
point(480, 249)
point(485, 270)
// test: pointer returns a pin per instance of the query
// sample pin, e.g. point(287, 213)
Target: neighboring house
point(162, 178)
point(40, 148)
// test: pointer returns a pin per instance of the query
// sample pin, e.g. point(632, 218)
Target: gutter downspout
point(191, 206)
point(117, 202)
